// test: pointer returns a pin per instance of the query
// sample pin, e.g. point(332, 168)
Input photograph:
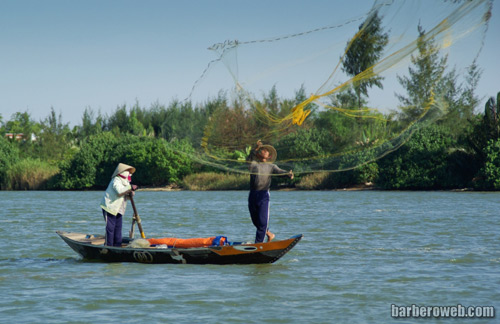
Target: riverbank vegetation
point(459, 149)
point(57, 158)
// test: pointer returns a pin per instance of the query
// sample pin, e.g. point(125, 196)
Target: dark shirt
point(260, 174)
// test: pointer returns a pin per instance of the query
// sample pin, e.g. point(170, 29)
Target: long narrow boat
point(91, 247)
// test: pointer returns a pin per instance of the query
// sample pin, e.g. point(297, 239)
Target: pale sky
point(71, 55)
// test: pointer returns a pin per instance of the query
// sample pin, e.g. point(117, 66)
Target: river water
point(365, 255)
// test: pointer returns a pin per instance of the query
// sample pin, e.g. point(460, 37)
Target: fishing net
point(341, 95)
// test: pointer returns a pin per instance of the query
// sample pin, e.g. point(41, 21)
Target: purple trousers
point(113, 229)
point(258, 205)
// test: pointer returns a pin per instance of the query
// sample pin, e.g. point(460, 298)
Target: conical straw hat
point(122, 167)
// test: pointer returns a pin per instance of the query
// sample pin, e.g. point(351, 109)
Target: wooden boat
point(91, 247)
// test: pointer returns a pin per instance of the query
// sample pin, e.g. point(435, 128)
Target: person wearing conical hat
point(261, 169)
point(114, 202)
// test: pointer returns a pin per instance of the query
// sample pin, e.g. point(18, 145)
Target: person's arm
point(120, 188)
point(277, 170)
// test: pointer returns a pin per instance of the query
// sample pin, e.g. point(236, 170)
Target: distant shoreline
point(361, 187)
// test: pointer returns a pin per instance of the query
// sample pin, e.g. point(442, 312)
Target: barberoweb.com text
point(455, 311)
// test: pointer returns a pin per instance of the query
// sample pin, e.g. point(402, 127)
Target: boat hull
point(92, 247)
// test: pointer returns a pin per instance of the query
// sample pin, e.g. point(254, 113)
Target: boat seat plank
point(93, 239)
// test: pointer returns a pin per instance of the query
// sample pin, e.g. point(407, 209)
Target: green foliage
point(421, 163)
point(30, 174)
point(91, 124)
point(482, 130)
point(183, 122)
point(54, 138)
point(22, 123)
point(159, 143)
point(303, 144)
point(347, 99)
point(362, 54)
point(157, 162)
point(9, 156)
point(366, 173)
point(118, 121)
point(93, 164)
point(424, 79)
point(346, 133)
point(243, 154)
point(272, 101)
point(490, 172)
point(341, 129)
point(134, 126)
point(461, 101)
point(492, 117)
point(360, 170)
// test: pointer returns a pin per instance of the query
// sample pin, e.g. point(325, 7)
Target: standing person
point(261, 169)
point(114, 202)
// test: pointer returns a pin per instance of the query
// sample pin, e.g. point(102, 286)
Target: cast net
point(341, 95)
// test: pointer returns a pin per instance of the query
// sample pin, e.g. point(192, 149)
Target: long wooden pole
point(137, 219)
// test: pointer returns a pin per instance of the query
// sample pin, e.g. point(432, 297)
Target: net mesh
point(355, 68)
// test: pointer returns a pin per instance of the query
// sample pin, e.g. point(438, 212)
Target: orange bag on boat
point(189, 242)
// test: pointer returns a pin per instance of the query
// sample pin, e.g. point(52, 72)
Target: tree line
point(461, 149)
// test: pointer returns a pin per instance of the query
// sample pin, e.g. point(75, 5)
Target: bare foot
point(270, 236)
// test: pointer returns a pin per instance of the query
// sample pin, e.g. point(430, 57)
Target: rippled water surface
point(362, 251)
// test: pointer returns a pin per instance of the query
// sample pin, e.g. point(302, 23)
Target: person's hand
point(132, 193)
point(290, 174)
point(125, 193)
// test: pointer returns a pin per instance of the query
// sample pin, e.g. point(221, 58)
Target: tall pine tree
point(423, 80)
point(363, 52)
